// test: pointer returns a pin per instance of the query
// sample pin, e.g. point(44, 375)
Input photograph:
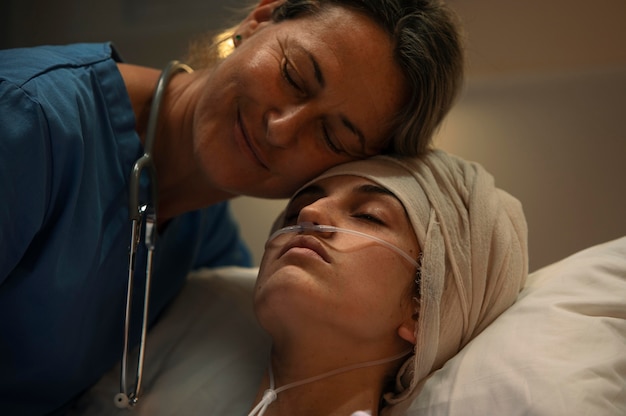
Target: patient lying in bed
point(560, 348)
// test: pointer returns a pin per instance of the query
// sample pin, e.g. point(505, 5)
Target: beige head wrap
point(473, 238)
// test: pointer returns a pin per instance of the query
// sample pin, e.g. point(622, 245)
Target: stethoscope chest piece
point(121, 401)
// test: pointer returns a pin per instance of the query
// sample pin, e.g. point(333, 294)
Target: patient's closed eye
point(369, 217)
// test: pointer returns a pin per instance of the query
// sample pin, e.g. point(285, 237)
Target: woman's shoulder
point(19, 65)
point(65, 90)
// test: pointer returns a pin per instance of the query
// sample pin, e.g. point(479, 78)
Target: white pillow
point(559, 350)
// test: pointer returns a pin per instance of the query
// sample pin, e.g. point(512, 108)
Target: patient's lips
point(306, 245)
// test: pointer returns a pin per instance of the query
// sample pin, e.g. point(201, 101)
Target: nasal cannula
point(308, 226)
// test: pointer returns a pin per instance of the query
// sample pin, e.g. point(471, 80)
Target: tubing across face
point(312, 228)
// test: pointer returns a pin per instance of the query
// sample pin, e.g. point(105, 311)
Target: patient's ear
point(406, 331)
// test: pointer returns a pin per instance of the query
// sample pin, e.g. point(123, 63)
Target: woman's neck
point(182, 186)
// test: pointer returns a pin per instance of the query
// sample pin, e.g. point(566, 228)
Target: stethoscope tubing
point(139, 212)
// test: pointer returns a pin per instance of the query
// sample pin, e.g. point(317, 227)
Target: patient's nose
point(317, 213)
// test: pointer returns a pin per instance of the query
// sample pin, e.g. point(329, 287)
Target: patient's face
point(319, 284)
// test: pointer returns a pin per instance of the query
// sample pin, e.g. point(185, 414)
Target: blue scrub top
point(67, 145)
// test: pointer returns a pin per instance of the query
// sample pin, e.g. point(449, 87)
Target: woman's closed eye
point(295, 80)
point(290, 74)
point(330, 142)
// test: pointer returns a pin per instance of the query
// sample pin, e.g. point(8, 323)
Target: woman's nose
point(284, 126)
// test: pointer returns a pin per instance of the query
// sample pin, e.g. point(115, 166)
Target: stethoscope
point(139, 213)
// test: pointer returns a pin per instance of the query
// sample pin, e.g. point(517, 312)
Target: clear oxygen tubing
point(310, 227)
point(140, 212)
point(270, 395)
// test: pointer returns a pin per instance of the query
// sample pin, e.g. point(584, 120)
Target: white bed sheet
point(205, 355)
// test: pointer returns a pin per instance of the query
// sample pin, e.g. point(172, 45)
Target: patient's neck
point(341, 389)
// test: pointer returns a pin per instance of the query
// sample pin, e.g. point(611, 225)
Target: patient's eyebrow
point(375, 190)
point(309, 190)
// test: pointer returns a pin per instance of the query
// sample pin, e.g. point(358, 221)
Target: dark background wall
point(147, 32)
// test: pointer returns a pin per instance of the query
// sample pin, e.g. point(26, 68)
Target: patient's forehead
point(346, 183)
